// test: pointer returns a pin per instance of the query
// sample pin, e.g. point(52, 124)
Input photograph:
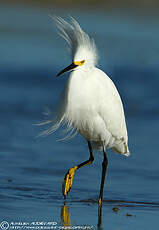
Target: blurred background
point(31, 54)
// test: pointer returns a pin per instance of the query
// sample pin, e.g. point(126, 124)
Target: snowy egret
point(90, 103)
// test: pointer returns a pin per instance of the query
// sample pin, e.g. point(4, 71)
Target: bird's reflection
point(66, 216)
point(99, 225)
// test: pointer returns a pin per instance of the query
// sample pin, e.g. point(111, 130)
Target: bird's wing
point(110, 107)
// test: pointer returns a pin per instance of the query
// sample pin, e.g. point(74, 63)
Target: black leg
point(67, 182)
point(104, 169)
point(91, 158)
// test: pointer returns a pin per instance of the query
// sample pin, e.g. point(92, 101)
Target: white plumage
point(90, 102)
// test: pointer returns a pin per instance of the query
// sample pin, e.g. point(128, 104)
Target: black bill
point(68, 68)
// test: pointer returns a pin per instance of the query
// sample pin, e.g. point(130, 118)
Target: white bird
point(90, 103)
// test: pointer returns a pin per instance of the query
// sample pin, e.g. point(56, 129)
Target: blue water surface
point(32, 168)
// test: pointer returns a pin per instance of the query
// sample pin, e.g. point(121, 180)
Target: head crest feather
point(78, 41)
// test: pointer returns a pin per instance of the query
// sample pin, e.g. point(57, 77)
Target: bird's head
point(82, 47)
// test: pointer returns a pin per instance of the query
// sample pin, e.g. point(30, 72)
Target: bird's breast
point(93, 106)
point(82, 111)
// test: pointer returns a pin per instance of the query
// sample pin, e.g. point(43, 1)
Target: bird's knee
point(91, 159)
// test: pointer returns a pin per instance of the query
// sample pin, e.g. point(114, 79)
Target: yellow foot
point(67, 182)
point(100, 201)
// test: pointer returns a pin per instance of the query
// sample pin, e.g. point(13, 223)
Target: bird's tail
point(121, 148)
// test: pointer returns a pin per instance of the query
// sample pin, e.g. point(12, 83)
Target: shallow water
point(32, 169)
